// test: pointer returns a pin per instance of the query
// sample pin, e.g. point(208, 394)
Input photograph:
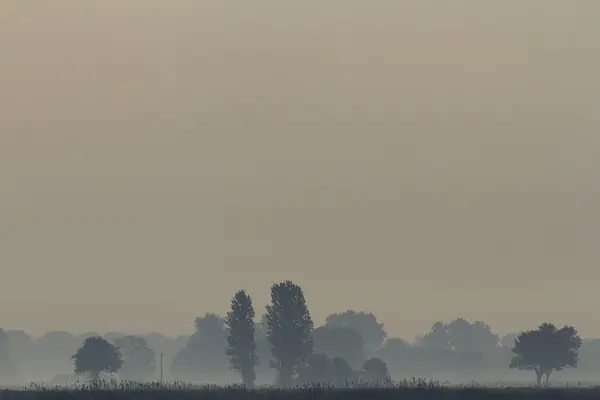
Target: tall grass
point(408, 389)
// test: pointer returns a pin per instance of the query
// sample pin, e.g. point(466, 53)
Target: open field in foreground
point(404, 393)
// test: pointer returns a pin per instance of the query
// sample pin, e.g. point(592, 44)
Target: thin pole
point(161, 366)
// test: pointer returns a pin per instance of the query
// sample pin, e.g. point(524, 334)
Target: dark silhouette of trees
point(365, 323)
point(241, 345)
point(139, 360)
point(96, 356)
point(545, 350)
point(375, 370)
point(289, 328)
point(203, 356)
point(340, 342)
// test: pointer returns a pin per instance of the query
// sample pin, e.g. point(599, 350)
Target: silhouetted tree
point(203, 356)
point(376, 370)
point(289, 330)
point(139, 361)
point(241, 345)
point(545, 350)
point(340, 342)
point(373, 333)
point(96, 356)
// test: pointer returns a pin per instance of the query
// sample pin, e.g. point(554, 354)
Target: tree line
point(350, 346)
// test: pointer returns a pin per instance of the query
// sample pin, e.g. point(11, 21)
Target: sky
point(422, 160)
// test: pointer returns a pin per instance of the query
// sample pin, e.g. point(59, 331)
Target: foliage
point(241, 344)
point(342, 342)
point(317, 369)
point(96, 355)
point(365, 323)
point(375, 370)
point(462, 336)
point(437, 338)
point(320, 369)
point(341, 372)
point(139, 361)
point(289, 330)
point(546, 349)
point(204, 351)
point(476, 337)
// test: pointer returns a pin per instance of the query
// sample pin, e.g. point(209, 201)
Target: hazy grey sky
point(418, 159)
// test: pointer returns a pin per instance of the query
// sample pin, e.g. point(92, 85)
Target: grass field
point(408, 390)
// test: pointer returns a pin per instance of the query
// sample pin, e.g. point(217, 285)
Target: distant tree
point(22, 354)
point(397, 353)
point(365, 323)
point(8, 370)
point(139, 360)
point(545, 350)
point(96, 356)
point(462, 336)
point(376, 370)
point(168, 346)
point(289, 330)
point(241, 345)
point(325, 371)
point(203, 356)
point(342, 342)
point(476, 337)
point(438, 338)
point(52, 353)
point(341, 372)
point(316, 370)
point(396, 346)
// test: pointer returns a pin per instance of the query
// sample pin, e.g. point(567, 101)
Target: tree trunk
point(248, 377)
point(548, 373)
point(539, 374)
point(285, 377)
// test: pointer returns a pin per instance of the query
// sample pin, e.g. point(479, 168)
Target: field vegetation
point(407, 389)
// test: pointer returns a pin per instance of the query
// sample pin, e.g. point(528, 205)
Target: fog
point(422, 160)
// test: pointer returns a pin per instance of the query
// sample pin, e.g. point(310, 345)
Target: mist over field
point(420, 160)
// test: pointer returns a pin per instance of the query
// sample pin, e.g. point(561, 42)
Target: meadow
point(415, 389)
